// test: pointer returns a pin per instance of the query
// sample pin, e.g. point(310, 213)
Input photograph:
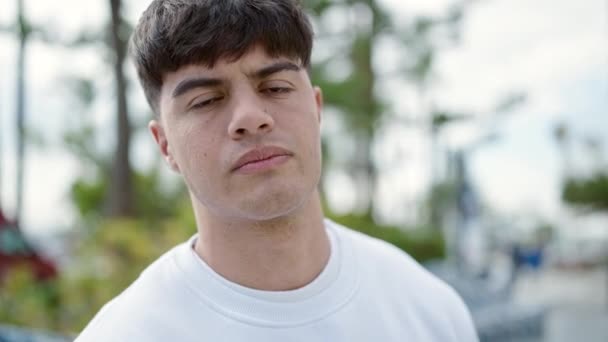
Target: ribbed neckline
point(327, 293)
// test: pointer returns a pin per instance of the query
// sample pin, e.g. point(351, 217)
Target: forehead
point(252, 60)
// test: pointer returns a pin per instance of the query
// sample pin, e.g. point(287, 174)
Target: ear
point(158, 132)
point(318, 101)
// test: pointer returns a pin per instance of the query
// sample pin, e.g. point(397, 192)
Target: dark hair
point(175, 33)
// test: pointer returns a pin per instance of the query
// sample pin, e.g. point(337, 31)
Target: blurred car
point(497, 317)
point(18, 334)
point(16, 251)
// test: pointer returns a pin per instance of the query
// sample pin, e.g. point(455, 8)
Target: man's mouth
point(261, 159)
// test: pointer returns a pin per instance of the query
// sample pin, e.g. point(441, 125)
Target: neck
point(281, 254)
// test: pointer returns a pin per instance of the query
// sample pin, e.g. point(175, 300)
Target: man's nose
point(249, 117)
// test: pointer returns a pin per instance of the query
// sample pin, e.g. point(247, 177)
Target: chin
point(275, 204)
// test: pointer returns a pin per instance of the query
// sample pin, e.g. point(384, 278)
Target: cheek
point(306, 131)
point(197, 150)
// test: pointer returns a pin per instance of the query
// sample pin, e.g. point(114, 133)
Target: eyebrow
point(273, 69)
point(191, 83)
point(203, 82)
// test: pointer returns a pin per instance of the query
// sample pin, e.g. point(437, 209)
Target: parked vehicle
point(497, 317)
point(16, 251)
point(19, 334)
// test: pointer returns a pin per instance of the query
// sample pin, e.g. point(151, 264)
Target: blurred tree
point(120, 200)
point(4, 28)
point(105, 262)
point(155, 199)
point(561, 135)
point(595, 149)
point(422, 243)
point(23, 30)
point(443, 192)
point(356, 96)
point(588, 193)
point(25, 301)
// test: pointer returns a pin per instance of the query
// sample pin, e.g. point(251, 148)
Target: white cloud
point(403, 156)
point(541, 47)
point(409, 8)
point(532, 46)
point(512, 184)
point(341, 194)
point(46, 204)
point(68, 15)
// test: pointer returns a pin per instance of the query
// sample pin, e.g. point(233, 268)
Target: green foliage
point(152, 201)
point(109, 259)
point(421, 243)
point(24, 301)
point(111, 255)
point(588, 193)
point(106, 260)
point(442, 198)
point(363, 112)
point(317, 6)
point(87, 196)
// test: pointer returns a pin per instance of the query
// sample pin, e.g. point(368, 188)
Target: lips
point(267, 155)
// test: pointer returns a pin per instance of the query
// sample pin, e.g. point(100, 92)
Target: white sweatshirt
point(368, 291)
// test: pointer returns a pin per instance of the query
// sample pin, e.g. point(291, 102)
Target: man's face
point(244, 135)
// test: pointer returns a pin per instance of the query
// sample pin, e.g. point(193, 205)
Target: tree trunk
point(23, 32)
point(362, 58)
point(120, 197)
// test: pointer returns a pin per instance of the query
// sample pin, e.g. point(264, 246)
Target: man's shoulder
point(385, 260)
point(393, 276)
point(139, 305)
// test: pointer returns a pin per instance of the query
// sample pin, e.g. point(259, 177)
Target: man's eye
point(206, 103)
point(276, 90)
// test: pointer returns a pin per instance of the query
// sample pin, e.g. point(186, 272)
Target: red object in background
point(15, 251)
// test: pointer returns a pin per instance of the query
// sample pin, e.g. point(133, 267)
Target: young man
point(238, 119)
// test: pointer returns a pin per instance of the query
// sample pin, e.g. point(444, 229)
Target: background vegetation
point(128, 217)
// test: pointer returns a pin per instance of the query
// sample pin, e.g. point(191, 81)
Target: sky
point(554, 51)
